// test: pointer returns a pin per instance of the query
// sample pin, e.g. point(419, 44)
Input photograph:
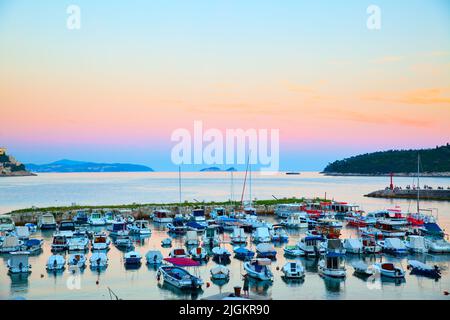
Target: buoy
point(208, 284)
point(446, 292)
point(96, 282)
point(42, 275)
point(278, 268)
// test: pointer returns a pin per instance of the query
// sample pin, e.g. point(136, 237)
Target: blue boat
point(432, 229)
point(195, 226)
point(423, 269)
point(243, 253)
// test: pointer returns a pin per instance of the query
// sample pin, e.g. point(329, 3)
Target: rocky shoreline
point(21, 173)
point(398, 174)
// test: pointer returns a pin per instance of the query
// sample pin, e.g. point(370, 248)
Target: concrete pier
point(424, 194)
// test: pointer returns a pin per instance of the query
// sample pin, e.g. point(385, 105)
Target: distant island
point(81, 166)
point(10, 167)
point(433, 162)
point(216, 169)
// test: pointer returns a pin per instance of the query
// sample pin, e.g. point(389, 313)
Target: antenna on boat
point(418, 182)
point(179, 185)
point(245, 180)
point(250, 178)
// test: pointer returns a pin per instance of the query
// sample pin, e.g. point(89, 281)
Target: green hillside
point(397, 161)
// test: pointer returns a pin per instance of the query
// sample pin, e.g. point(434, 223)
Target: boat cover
point(195, 225)
point(32, 242)
point(419, 265)
point(265, 247)
point(182, 262)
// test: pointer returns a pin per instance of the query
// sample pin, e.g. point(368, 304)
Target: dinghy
point(167, 242)
point(293, 270)
point(221, 254)
point(266, 250)
point(76, 260)
point(220, 272)
point(179, 277)
point(415, 244)
point(259, 269)
point(199, 254)
point(363, 269)
point(389, 270)
point(123, 242)
point(18, 262)
point(132, 259)
point(154, 257)
point(293, 251)
point(33, 246)
point(56, 262)
point(238, 235)
point(332, 265)
point(98, 260)
point(423, 269)
point(243, 253)
point(393, 246)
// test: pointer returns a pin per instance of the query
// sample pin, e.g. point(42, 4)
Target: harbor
point(269, 232)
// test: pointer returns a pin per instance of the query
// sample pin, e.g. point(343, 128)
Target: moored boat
point(243, 253)
point(259, 269)
point(423, 269)
point(179, 277)
point(332, 265)
point(293, 251)
point(98, 260)
point(56, 262)
point(393, 246)
point(389, 270)
point(18, 262)
point(220, 272)
point(132, 259)
point(266, 250)
point(154, 257)
point(293, 270)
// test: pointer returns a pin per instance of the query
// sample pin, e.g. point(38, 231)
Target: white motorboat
point(132, 259)
point(59, 242)
point(198, 215)
point(100, 241)
point(179, 277)
point(162, 216)
point(423, 269)
point(191, 238)
point(56, 262)
point(154, 257)
point(389, 270)
point(363, 269)
point(211, 236)
point(18, 262)
point(22, 232)
point(261, 234)
point(415, 244)
point(287, 209)
point(178, 253)
point(198, 254)
point(220, 272)
point(46, 222)
point(96, 219)
point(76, 260)
point(109, 217)
point(370, 246)
point(238, 235)
point(266, 250)
point(78, 242)
point(33, 246)
point(259, 269)
point(297, 220)
point(332, 265)
point(293, 251)
point(118, 228)
point(278, 234)
point(123, 242)
point(140, 227)
point(6, 223)
point(217, 212)
point(221, 254)
point(353, 245)
point(437, 245)
point(393, 246)
point(10, 243)
point(98, 260)
point(311, 247)
point(293, 270)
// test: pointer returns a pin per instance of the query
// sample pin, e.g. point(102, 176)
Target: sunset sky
point(116, 89)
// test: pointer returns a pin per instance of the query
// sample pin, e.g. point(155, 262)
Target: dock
point(424, 194)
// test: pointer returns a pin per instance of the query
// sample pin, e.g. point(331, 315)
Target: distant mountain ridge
point(216, 169)
point(66, 165)
point(433, 161)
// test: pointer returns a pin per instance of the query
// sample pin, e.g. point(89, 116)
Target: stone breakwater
point(20, 218)
point(399, 174)
point(443, 195)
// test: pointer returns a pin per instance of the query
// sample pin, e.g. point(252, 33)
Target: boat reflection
point(185, 294)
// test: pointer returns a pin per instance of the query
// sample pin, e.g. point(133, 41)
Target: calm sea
point(119, 188)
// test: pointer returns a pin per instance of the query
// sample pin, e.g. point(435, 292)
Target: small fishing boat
point(110, 217)
point(432, 229)
point(6, 223)
point(177, 226)
point(261, 234)
point(217, 212)
point(415, 244)
point(391, 228)
point(18, 262)
point(285, 210)
point(179, 277)
point(333, 245)
point(178, 253)
point(31, 227)
point(123, 242)
point(266, 250)
point(22, 232)
point(196, 226)
point(363, 269)
point(211, 236)
point(76, 260)
point(33, 246)
point(370, 246)
point(238, 235)
point(332, 265)
point(310, 245)
point(60, 242)
point(278, 234)
point(98, 260)
point(118, 228)
point(352, 245)
point(423, 269)
point(437, 245)
point(167, 242)
point(96, 219)
point(198, 215)
point(154, 257)
point(191, 238)
point(259, 269)
point(100, 241)
point(10, 243)
point(389, 270)
point(293, 251)
point(393, 246)
point(198, 254)
point(243, 253)
point(46, 222)
point(56, 262)
point(66, 225)
point(140, 227)
point(220, 272)
point(81, 217)
point(296, 220)
point(293, 270)
point(132, 259)
point(221, 254)
point(162, 216)
point(78, 242)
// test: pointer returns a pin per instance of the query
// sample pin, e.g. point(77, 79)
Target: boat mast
point(245, 181)
point(250, 178)
point(418, 183)
point(179, 184)
point(232, 188)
